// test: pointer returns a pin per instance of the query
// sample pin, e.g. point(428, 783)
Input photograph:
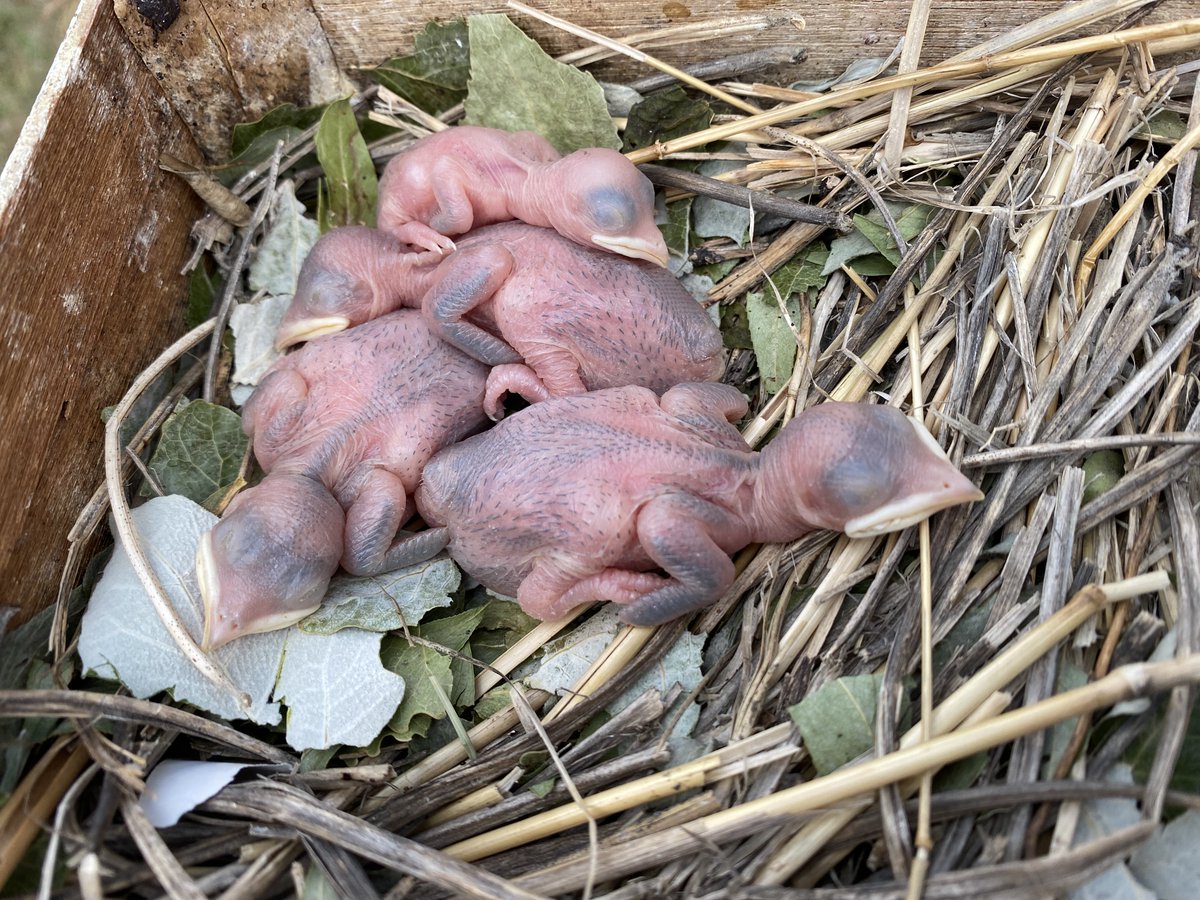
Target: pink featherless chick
point(553, 317)
point(619, 495)
point(342, 427)
point(450, 182)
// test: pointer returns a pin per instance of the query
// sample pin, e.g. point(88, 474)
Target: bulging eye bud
point(611, 210)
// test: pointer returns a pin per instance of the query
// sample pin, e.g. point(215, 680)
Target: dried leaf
point(200, 450)
point(277, 262)
point(336, 689)
point(385, 602)
point(773, 340)
point(434, 76)
point(663, 116)
point(123, 639)
point(254, 326)
point(567, 657)
point(515, 86)
point(837, 722)
point(859, 70)
point(350, 179)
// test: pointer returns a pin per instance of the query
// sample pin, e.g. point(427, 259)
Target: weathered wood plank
point(225, 61)
point(92, 236)
point(228, 61)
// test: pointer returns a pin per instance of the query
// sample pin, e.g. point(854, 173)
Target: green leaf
point(421, 667)
point(349, 172)
point(802, 273)
point(200, 450)
point(909, 222)
point(1186, 775)
point(336, 688)
point(492, 702)
point(257, 152)
point(663, 116)
point(837, 722)
point(871, 236)
point(1069, 677)
point(716, 271)
point(1165, 125)
point(317, 886)
point(515, 86)
point(676, 229)
point(773, 341)
point(286, 115)
point(958, 776)
point(202, 294)
point(507, 616)
point(735, 326)
point(385, 602)
point(434, 76)
point(1101, 471)
point(318, 760)
point(566, 657)
point(872, 264)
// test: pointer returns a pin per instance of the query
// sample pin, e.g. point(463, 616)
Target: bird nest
point(1004, 247)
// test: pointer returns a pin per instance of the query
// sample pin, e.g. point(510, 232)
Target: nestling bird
point(343, 428)
point(553, 317)
point(455, 180)
point(588, 498)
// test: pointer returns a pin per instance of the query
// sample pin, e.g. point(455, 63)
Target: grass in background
point(30, 32)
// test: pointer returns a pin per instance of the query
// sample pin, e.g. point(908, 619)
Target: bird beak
point(220, 629)
point(636, 248)
point(215, 633)
point(932, 484)
point(291, 333)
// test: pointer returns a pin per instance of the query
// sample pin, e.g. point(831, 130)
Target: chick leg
point(553, 588)
point(466, 280)
point(511, 379)
point(680, 532)
point(373, 519)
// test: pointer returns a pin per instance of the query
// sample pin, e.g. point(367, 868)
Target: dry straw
point(1043, 319)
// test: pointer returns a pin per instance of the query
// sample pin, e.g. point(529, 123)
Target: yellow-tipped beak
point(307, 329)
point(943, 486)
point(636, 248)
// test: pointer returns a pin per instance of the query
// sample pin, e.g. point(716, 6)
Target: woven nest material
point(1047, 299)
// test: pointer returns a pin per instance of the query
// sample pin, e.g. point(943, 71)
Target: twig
point(123, 518)
point(759, 201)
point(735, 66)
point(639, 55)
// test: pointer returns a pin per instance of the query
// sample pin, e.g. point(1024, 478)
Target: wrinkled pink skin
point(585, 498)
point(465, 177)
point(345, 423)
point(554, 318)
